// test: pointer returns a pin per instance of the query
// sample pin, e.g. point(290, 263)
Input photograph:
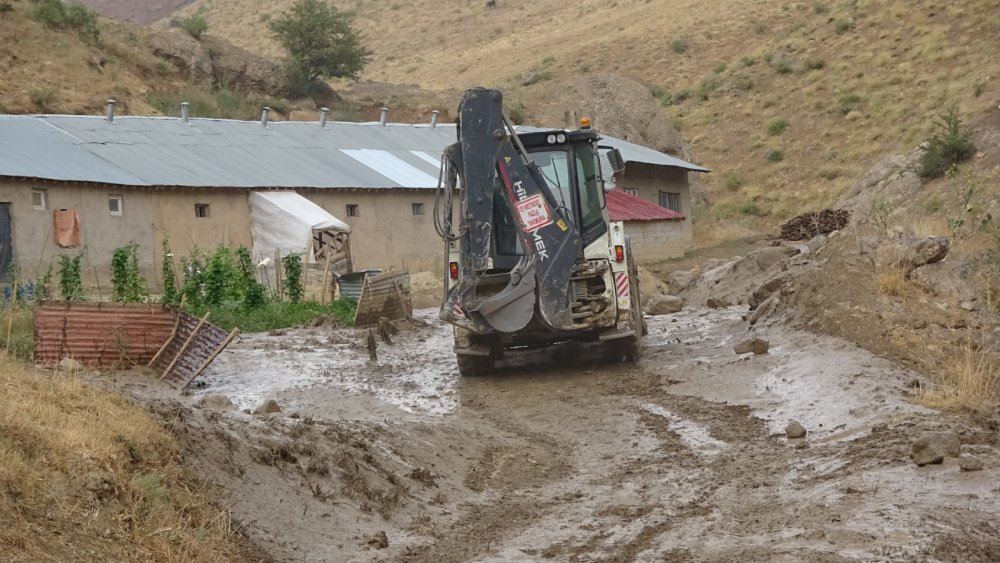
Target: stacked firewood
point(808, 225)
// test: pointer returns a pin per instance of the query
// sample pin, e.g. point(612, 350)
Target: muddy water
point(560, 456)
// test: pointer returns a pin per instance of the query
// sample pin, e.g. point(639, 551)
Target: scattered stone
point(717, 303)
point(816, 243)
point(664, 304)
point(277, 332)
point(764, 309)
point(909, 253)
point(269, 407)
point(969, 462)
point(933, 447)
point(968, 305)
point(69, 364)
point(755, 345)
point(217, 402)
point(378, 541)
point(795, 430)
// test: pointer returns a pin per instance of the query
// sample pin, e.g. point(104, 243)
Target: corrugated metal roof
point(632, 152)
point(627, 207)
point(166, 151)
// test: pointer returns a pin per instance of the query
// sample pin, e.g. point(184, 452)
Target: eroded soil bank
point(561, 456)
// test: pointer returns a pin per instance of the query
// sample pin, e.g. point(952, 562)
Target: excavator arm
point(538, 286)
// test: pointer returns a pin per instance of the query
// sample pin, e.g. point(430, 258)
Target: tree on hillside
point(320, 42)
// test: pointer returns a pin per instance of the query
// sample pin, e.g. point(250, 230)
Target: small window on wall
point(418, 208)
point(353, 210)
point(39, 200)
point(115, 204)
point(671, 200)
point(631, 191)
point(201, 210)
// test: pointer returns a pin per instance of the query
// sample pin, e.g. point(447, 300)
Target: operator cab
point(568, 161)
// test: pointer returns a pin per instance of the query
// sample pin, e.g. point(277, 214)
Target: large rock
point(270, 406)
point(933, 447)
point(951, 279)
point(680, 280)
point(217, 402)
point(909, 254)
point(664, 304)
point(216, 60)
point(893, 181)
point(69, 364)
point(794, 429)
point(969, 462)
point(755, 345)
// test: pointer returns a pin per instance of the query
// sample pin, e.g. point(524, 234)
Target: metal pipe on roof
point(384, 117)
point(264, 115)
point(322, 116)
point(184, 111)
point(434, 118)
point(110, 116)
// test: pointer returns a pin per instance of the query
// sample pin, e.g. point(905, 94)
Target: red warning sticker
point(534, 213)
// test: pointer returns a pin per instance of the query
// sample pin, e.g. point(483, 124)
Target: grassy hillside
point(786, 101)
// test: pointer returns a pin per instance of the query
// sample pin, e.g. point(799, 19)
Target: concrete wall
point(385, 233)
point(655, 241)
point(649, 180)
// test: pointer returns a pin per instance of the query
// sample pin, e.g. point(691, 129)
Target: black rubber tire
point(472, 366)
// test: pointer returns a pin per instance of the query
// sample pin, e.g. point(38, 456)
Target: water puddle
point(694, 436)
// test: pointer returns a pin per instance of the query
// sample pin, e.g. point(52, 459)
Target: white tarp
point(285, 221)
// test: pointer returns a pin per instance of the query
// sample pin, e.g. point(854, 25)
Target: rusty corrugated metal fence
point(100, 334)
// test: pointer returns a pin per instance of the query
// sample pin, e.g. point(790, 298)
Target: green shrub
point(170, 294)
point(849, 102)
point(707, 86)
point(781, 66)
point(195, 25)
point(42, 98)
point(292, 267)
point(946, 147)
point(720, 68)
point(748, 61)
point(775, 155)
point(679, 46)
point(70, 282)
point(814, 63)
point(978, 89)
point(777, 127)
point(843, 26)
point(734, 182)
point(744, 83)
point(127, 283)
point(74, 15)
point(6, 7)
point(751, 209)
point(680, 96)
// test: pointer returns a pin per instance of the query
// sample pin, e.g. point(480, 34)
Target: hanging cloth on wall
point(66, 224)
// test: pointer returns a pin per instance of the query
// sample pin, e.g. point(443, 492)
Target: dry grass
point(84, 475)
point(891, 280)
point(967, 378)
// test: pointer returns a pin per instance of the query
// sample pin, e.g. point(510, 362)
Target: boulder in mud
point(755, 345)
point(216, 403)
point(378, 540)
point(794, 430)
point(933, 447)
point(910, 253)
point(969, 462)
point(717, 303)
point(270, 406)
point(952, 279)
point(664, 304)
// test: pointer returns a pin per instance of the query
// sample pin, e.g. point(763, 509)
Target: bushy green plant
point(127, 283)
point(734, 182)
point(73, 15)
point(707, 86)
point(775, 155)
point(170, 294)
point(949, 145)
point(679, 46)
point(777, 127)
point(292, 266)
point(195, 25)
point(70, 282)
point(848, 102)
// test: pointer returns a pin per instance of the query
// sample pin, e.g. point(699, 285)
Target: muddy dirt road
point(559, 456)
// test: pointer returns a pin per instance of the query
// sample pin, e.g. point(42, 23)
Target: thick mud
point(560, 456)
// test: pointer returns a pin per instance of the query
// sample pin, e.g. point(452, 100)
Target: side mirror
point(616, 160)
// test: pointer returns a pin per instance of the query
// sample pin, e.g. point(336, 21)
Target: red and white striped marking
point(621, 283)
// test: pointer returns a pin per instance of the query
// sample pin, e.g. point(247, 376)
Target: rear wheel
point(471, 366)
